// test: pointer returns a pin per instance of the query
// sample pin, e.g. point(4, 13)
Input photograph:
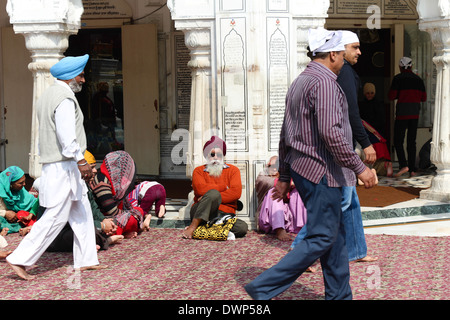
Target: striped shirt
point(316, 137)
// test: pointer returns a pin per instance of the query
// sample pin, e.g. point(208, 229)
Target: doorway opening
point(374, 66)
point(101, 99)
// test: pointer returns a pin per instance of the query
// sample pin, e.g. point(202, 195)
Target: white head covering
point(405, 62)
point(349, 37)
point(322, 40)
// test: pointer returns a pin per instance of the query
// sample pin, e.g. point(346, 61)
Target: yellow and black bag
point(214, 230)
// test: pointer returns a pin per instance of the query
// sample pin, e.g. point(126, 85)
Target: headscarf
point(322, 40)
point(69, 67)
point(15, 200)
point(119, 168)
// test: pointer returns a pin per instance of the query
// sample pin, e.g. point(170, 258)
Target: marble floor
point(434, 225)
point(422, 180)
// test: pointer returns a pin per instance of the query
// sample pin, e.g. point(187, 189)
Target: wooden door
point(141, 96)
point(17, 98)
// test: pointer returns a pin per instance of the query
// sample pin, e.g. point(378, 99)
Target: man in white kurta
point(63, 191)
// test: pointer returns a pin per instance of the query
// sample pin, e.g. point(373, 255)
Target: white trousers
point(45, 230)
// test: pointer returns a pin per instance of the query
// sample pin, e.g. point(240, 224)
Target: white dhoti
point(64, 194)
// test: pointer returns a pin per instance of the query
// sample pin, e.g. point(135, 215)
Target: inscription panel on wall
point(402, 9)
point(106, 9)
point(183, 83)
point(177, 144)
point(278, 76)
point(234, 83)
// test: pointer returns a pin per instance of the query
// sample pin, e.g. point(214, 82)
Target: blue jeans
point(354, 230)
point(325, 240)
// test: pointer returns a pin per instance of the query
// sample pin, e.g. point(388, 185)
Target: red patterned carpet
point(159, 265)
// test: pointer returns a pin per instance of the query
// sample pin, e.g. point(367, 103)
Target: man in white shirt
point(63, 191)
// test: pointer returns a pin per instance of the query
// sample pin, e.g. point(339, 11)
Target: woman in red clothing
point(383, 164)
point(111, 186)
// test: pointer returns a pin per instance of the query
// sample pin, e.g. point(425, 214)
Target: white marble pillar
point(46, 26)
point(434, 17)
point(305, 17)
point(196, 19)
point(203, 118)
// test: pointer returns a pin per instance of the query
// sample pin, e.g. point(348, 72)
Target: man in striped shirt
point(316, 151)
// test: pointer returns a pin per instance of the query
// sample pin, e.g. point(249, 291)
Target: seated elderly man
point(217, 188)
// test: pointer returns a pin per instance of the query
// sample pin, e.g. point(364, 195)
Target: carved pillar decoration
point(203, 116)
point(305, 17)
point(303, 25)
point(196, 20)
point(46, 26)
point(435, 19)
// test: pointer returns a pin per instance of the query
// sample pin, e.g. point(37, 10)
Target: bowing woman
point(111, 187)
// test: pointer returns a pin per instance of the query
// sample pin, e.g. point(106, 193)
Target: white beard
point(76, 87)
point(215, 168)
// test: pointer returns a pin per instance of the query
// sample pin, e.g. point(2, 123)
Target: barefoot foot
point(389, 169)
point(130, 235)
point(402, 171)
point(4, 232)
point(96, 267)
point(4, 254)
point(188, 232)
point(21, 272)
point(24, 231)
point(146, 224)
point(367, 259)
point(115, 239)
point(162, 211)
point(311, 269)
point(282, 235)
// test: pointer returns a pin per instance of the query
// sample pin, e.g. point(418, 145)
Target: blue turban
point(69, 67)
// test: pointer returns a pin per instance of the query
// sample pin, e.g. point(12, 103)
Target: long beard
point(215, 168)
point(75, 86)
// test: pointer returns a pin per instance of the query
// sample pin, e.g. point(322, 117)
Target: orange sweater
point(229, 185)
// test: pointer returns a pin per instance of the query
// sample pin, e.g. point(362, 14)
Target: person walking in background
point(409, 91)
point(349, 81)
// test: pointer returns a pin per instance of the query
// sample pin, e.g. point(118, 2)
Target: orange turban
point(89, 157)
